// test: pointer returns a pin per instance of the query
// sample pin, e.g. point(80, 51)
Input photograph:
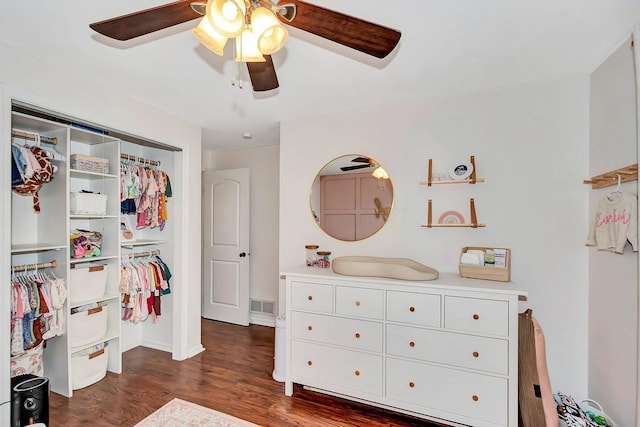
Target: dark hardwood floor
point(233, 376)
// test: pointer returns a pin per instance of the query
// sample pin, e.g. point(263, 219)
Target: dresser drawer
point(477, 396)
point(480, 316)
point(418, 309)
point(337, 367)
point(312, 297)
point(359, 302)
point(354, 333)
point(468, 351)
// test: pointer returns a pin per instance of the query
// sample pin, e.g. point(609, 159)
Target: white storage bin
point(88, 326)
point(87, 204)
point(89, 366)
point(87, 283)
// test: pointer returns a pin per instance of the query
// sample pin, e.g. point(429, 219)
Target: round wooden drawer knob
point(412, 309)
point(475, 398)
point(309, 327)
point(411, 384)
point(476, 317)
point(309, 362)
point(357, 335)
point(310, 297)
point(412, 344)
point(476, 354)
point(357, 373)
point(357, 303)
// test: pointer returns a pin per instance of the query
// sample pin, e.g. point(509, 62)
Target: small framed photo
point(461, 171)
point(127, 231)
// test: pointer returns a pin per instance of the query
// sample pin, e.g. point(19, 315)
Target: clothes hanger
point(617, 190)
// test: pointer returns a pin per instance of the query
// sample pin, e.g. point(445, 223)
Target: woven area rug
point(180, 413)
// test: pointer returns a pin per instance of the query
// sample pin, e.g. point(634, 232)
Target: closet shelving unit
point(607, 179)
point(473, 179)
point(40, 238)
point(95, 144)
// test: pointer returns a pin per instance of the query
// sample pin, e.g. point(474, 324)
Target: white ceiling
point(447, 47)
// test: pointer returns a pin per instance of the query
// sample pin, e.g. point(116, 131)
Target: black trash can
point(29, 400)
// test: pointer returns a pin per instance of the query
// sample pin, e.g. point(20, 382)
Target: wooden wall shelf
point(471, 180)
point(472, 211)
point(607, 179)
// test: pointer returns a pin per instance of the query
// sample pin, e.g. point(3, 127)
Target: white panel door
point(225, 289)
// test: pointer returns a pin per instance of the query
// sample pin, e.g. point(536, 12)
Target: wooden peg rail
point(33, 136)
point(607, 179)
point(18, 268)
point(471, 180)
point(472, 211)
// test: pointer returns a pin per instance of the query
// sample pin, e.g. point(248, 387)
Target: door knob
point(243, 254)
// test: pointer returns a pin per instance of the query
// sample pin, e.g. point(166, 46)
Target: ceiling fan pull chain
point(240, 75)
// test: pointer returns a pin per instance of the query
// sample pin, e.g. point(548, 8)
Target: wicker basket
point(89, 163)
point(87, 283)
point(88, 204)
point(89, 366)
point(500, 274)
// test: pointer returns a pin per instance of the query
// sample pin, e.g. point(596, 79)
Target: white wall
point(264, 163)
point(61, 90)
point(531, 146)
point(613, 278)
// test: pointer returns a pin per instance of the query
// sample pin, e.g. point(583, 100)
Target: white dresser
point(445, 349)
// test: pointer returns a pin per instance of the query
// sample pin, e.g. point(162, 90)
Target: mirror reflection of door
point(352, 198)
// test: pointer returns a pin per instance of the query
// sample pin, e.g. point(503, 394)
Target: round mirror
point(351, 197)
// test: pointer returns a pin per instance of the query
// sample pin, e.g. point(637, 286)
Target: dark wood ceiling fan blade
point(146, 21)
point(364, 36)
point(263, 75)
point(350, 168)
point(361, 159)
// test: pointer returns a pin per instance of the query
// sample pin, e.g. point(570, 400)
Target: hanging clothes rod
point(18, 268)
point(140, 254)
point(139, 159)
point(34, 136)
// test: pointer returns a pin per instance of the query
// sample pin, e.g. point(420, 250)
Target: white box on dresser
point(445, 349)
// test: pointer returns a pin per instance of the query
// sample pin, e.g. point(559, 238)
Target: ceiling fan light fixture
point(209, 37)
point(287, 11)
point(199, 7)
point(227, 16)
point(247, 47)
point(380, 173)
point(270, 32)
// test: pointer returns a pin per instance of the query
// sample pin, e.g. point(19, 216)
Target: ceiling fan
point(365, 162)
point(355, 33)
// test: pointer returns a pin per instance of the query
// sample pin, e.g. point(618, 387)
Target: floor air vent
point(259, 306)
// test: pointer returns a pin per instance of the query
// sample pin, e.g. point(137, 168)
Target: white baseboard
point(262, 319)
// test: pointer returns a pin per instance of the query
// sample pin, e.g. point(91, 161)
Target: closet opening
point(95, 246)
